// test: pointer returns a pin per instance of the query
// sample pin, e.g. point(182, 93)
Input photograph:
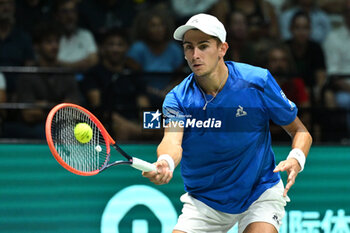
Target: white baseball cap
point(206, 23)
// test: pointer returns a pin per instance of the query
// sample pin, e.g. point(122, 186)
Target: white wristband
point(169, 160)
point(299, 156)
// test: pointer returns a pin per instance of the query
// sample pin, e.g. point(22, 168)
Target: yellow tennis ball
point(83, 132)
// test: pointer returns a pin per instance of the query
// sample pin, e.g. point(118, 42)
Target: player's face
point(202, 52)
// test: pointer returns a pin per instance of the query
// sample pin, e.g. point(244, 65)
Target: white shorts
point(198, 217)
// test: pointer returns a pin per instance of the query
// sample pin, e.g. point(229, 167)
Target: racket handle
point(142, 165)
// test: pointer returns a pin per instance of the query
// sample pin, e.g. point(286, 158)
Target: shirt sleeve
point(171, 109)
point(89, 42)
point(281, 110)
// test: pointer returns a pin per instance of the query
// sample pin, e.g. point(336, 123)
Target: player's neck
point(213, 83)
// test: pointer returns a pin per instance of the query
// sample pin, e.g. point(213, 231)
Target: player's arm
point(169, 154)
point(295, 161)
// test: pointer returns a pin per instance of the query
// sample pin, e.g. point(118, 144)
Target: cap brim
point(180, 31)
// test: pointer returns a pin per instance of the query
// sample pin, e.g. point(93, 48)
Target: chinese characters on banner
point(297, 221)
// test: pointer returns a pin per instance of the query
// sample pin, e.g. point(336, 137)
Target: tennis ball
point(83, 132)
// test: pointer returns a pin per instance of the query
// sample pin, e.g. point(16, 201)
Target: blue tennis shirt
point(227, 160)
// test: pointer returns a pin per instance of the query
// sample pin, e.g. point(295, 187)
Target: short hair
point(43, 31)
point(300, 14)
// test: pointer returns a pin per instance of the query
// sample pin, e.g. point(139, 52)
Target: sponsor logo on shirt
point(286, 99)
point(240, 112)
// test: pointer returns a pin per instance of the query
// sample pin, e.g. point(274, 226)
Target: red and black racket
point(89, 158)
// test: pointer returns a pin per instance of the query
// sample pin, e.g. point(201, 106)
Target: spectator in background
point(319, 20)
point(45, 90)
point(262, 25)
point(184, 9)
point(15, 45)
point(77, 48)
point(281, 65)
point(308, 55)
point(241, 48)
point(32, 12)
point(112, 91)
point(261, 17)
point(155, 51)
point(100, 15)
point(337, 49)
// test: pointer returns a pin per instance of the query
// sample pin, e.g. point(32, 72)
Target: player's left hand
point(293, 168)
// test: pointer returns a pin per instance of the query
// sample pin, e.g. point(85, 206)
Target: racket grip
point(142, 165)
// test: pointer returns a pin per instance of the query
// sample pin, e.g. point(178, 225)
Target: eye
point(203, 46)
point(188, 47)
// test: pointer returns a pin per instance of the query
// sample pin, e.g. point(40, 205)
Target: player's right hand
point(163, 174)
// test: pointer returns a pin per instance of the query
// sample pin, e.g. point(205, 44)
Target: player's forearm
point(172, 149)
point(302, 140)
point(300, 135)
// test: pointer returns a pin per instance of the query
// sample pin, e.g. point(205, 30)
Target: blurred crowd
point(120, 58)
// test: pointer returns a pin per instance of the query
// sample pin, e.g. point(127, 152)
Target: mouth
point(196, 65)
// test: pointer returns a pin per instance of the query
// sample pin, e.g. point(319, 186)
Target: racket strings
point(84, 157)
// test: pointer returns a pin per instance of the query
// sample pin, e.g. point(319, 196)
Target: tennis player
point(228, 167)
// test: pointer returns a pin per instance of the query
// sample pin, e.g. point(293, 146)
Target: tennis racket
point(89, 158)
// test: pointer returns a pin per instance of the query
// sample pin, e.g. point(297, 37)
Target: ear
point(223, 49)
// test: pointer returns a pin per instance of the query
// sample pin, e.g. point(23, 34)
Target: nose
point(196, 53)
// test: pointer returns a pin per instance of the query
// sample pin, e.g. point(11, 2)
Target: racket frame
point(108, 139)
